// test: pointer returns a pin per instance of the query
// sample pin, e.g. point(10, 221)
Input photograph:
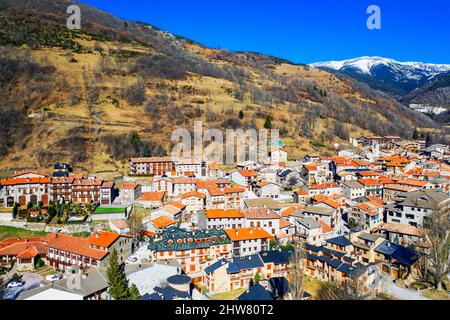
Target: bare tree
point(435, 265)
point(2, 287)
point(135, 93)
point(135, 226)
point(352, 289)
point(297, 263)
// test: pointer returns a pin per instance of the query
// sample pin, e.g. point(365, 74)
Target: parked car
point(52, 278)
point(15, 284)
point(132, 259)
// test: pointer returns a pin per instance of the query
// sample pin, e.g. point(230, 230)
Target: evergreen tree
point(268, 123)
point(134, 293)
point(146, 153)
point(117, 280)
point(135, 142)
point(15, 211)
point(241, 114)
point(428, 141)
point(257, 278)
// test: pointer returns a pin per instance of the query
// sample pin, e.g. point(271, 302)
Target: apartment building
point(190, 248)
point(156, 166)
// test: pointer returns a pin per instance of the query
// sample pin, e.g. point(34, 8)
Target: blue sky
point(302, 31)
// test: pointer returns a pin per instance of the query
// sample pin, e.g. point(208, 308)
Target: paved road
point(401, 293)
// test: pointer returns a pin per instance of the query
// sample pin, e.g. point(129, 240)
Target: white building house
point(264, 218)
point(410, 208)
point(353, 189)
point(248, 241)
point(221, 219)
point(194, 201)
point(267, 189)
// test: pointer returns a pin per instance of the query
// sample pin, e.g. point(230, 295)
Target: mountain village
point(188, 229)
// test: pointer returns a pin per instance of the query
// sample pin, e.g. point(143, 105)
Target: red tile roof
point(234, 189)
point(193, 194)
point(162, 222)
point(240, 234)
point(75, 245)
point(152, 196)
point(21, 181)
point(223, 213)
point(130, 186)
point(248, 173)
point(323, 186)
point(103, 238)
point(260, 213)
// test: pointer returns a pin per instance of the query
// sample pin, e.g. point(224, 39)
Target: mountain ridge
point(386, 74)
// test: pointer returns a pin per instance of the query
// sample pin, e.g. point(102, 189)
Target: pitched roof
point(152, 196)
point(319, 210)
point(255, 293)
point(150, 160)
point(214, 191)
point(248, 173)
point(176, 239)
point(301, 192)
point(260, 213)
point(239, 234)
point(223, 213)
point(103, 238)
point(284, 223)
point(323, 186)
point(29, 253)
point(119, 223)
point(234, 189)
point(290, 211)
point(193, 194)
point(276, 256)
point(130, 186)
point(325, 228)
point(340, 241)
point(175, 204)
point(413, 182)
point(162, 222)
point(401, 229)
point(75, 245)
point(20, 181)
point(237, 264)
point(406, 256)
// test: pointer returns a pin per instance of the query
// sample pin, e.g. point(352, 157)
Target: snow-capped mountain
point(387, 74)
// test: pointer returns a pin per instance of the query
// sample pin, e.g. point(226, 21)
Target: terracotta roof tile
point(223, 213)
point(240, 234)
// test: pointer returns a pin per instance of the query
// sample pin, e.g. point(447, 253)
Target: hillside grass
point(228, 295)
point(12, 232)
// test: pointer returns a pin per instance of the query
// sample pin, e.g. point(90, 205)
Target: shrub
point(134, 94)
point(39, 264)
point(232, 123)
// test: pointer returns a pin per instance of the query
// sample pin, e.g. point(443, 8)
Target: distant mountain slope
point(386, 74)
point(117, 89)
point(436, 92)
